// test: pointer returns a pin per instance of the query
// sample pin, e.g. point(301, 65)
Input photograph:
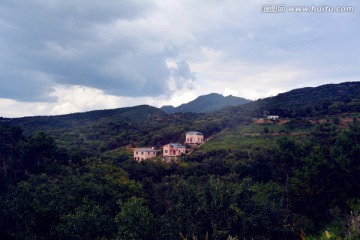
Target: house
point(173, 151)
point(141, 154)
point(194, 138)
point(273, 117)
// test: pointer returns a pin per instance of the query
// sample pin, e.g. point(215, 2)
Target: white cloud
point(71, 99)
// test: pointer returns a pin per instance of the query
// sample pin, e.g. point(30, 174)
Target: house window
point(142, 153)
point(166, 151)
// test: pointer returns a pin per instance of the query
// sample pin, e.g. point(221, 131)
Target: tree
point(88, 220)
point(135, 220)
point(10, 151)
point(40, 150)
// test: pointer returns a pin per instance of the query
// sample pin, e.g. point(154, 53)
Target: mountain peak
point(206, 103)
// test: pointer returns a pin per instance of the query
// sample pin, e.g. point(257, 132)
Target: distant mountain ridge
point(206, 103)
point(310, 101)
point(127, 114)
point(304, 102)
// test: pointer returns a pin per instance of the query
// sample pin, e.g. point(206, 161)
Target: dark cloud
point(26, 86)
point(182, 75)
point(122, 47)
point(86, 43)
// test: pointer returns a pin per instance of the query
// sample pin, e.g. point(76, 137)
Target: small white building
point(194, 138)
point(141, 154)
point(273, 117)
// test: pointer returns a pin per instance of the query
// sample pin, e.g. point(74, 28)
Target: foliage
point(135, 220)
point(77, 180)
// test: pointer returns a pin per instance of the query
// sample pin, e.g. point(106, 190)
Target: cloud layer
point(165, 52)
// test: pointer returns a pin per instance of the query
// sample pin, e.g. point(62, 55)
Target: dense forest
point(63, 178)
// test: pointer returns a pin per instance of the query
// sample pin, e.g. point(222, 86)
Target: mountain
point(149, 126)
point(206, 103)
point(327, 99)
point(127, 114)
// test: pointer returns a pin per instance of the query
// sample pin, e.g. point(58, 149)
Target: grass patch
point(251, 136)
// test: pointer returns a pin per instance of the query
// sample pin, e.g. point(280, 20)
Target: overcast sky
point(59, 56)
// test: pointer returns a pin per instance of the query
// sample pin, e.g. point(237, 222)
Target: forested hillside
point(73, 176)
point(45, 123)
point(327, 99)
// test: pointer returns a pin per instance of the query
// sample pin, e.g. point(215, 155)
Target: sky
point(59, 57)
